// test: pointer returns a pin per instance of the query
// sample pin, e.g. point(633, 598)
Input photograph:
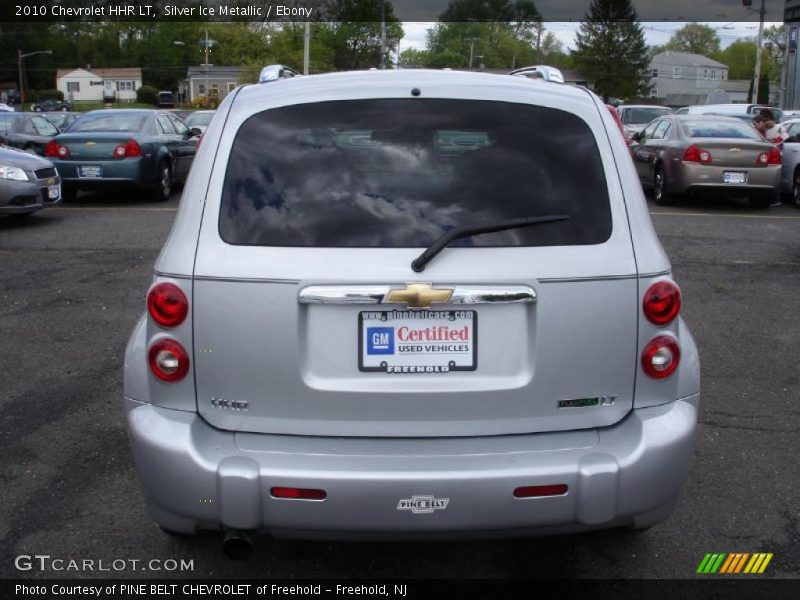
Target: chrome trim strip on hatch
point(379, 294)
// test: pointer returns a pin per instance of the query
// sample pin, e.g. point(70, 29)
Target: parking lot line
point(129, 208)
point(682, 214)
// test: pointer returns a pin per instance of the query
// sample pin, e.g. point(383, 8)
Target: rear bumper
point(116, 173)
point(691, 177)
point(197, 477)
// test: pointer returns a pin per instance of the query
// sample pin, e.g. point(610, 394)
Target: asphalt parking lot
point(73, 281)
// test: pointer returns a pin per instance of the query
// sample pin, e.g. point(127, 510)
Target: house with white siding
point(118, 84)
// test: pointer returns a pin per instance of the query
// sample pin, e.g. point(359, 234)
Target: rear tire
point(661, 196)
point(794, 198)
point(163, 189)
point(760, 201)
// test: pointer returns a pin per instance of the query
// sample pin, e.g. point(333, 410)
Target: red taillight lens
point(128, 149)
point(56, 150)
point(132, 148)
point(661, 356)
point(168, 360)
point(167, 304)
point(662, 302)
point(695, 154)
point(774, 157)
point(298, 493)
point(538, 491)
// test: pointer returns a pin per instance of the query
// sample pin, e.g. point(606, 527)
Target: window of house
point(124, 86)
point(713, 73)
point(214, 93)
point(231, 86)
point(705, 73)
point(73, 86)
point(201, 89)
point(676, 71)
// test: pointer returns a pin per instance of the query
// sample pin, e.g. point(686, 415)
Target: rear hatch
point(308, 318)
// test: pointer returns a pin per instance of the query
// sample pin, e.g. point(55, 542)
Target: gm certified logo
point(380, 340)
point(423, 505)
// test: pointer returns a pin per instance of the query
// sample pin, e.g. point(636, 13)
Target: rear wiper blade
point(462, 231)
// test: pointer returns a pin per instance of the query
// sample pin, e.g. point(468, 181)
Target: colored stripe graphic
point(734, 563)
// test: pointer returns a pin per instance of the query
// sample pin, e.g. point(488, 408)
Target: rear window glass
point(707, 128)
point(106, 122)
point(400, 172)
point(638, 116)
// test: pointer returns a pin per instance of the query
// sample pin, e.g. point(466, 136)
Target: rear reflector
point(538, 491)
point(298, 493)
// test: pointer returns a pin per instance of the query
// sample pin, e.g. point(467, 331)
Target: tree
point(695, 38)
point(611, 51)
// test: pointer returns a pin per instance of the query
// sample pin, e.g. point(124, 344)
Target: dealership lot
point(73, 281)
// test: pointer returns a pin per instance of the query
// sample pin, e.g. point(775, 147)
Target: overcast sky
point(656, 33)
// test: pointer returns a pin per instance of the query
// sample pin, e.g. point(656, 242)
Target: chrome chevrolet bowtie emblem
point(419, 295)
point(90, 143)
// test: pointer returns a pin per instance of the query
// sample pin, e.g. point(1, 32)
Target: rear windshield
point(638, 116)
point(199, 119)
point(106, 122)
point(707, 128)
point(400, 172)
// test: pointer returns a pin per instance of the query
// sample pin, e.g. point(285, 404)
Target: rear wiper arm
point(462, 231)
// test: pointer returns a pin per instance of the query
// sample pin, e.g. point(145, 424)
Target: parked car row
point(148, 150)
point(711, 150)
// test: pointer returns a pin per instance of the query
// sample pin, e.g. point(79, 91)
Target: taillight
point(662, 302)
point(773, 157)
point(661, 356)
point(695, 154)
point(56, 150)
point(129, 149)
point(539, 491)
point(298, 493)
point(168, 360)
point(167, 304)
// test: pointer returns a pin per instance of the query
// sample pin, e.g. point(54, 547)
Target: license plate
point(734, 177)
point(413, 342)
point(90, 171)
point(53, 191)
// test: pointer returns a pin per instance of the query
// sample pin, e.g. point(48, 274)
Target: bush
point(147, 94)
point(202, 102)
point(51, 95)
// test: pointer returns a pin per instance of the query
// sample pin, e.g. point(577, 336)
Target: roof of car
point(360, 81)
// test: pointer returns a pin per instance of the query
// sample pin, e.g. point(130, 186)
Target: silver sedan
point(27, 182)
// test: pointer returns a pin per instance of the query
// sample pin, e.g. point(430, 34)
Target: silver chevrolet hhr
point(408, 304)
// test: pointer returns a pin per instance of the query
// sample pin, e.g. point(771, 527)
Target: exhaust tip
point(237, 545)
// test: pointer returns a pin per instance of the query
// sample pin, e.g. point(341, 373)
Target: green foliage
point(695, 38)
point(610, 50)
point(50, 95)
point(147, 94)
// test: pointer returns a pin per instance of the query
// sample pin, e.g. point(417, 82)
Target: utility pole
point(757, 75)
point(306, 47)
point(207, 44)
point(20, 56)
point(472, 49)
point(383, 34)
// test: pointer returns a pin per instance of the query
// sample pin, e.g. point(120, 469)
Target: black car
point(166, 99)
point(51, 105)
point(26, 131)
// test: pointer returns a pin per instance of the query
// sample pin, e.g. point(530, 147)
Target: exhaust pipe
point(237, 545)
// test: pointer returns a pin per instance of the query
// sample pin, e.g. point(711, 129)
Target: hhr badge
point(422, 505)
